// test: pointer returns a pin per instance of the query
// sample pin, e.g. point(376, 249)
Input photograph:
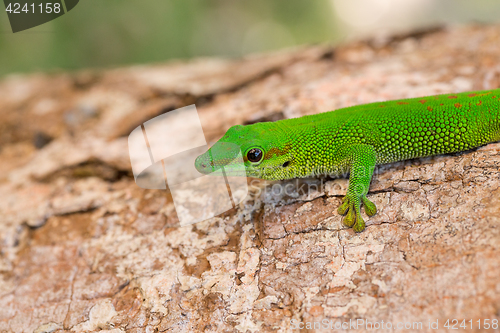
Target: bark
point(83, 248)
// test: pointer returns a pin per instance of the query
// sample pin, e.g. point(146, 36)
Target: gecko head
point(264, 153)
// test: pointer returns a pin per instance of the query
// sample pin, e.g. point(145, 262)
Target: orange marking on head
point(480, 102)
point(429, 108)
point(277, 152)
point(423, 101)
point(458, 105)
point(452, 96)
point(401, 103)
point(472, 95)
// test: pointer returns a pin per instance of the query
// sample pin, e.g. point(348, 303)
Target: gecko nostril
point(203, 165)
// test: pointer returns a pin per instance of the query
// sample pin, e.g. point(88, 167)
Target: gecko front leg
point(361, 159)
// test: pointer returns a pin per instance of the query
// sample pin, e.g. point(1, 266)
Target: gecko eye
point(255, 155)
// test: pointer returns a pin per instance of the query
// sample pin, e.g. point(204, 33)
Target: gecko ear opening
point(287, 163)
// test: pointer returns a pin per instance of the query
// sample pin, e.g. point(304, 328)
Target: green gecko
point(356, 139)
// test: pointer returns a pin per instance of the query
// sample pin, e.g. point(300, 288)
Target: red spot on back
point(472, 95)
point(480, 102)
point(422, 101)
point(429, 108)
point(452, 96)
point(382, 106)
point(401, 103)
point(458, 105)
point(441, 104)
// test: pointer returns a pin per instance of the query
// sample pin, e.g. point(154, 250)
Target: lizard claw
point(351, 208)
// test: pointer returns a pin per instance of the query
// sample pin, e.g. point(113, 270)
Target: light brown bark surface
point(83, 248)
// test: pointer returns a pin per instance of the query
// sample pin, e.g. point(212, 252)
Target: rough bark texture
point(83, 248)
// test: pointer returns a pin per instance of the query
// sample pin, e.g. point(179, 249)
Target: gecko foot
point(350, 207)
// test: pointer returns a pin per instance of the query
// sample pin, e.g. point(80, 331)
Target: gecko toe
point(359, 225)
point(370, 208)
point(350, 218)
point(342, 210)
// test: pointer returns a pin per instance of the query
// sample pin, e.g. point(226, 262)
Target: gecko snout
point(203, 165)
point(221, 155)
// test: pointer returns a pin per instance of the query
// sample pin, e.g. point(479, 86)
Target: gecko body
point(356, 139)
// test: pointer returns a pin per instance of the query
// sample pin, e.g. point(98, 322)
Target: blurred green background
point(104, 33)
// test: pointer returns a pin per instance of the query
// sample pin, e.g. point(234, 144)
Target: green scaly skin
point(357, 138)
